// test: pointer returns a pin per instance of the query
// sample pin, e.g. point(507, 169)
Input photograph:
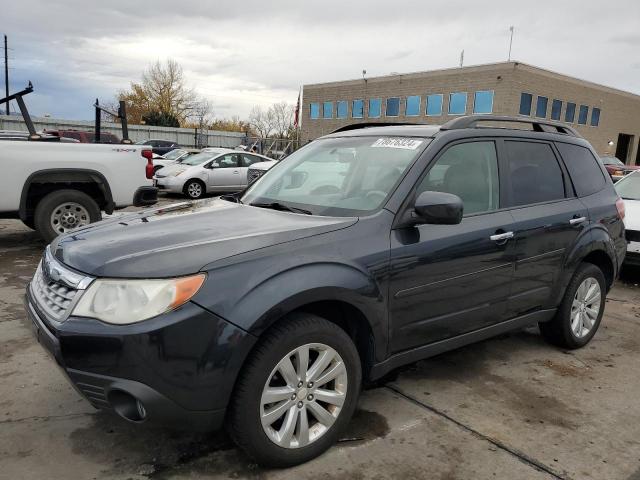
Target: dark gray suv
point(365, 250)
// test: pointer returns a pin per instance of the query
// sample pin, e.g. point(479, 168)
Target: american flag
point(296, 115)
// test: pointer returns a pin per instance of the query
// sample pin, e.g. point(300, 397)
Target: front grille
point(253, 175)
point(55, 288)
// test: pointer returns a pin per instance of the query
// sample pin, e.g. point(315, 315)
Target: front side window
point(595, 116)
point(570, 113)
point(230, 160)
point(314, 111)
point(525, 103)
point(338, 176)
point(393, 107)
point(375, 107)
point(541, 107)
point(582, 116)
point(583, 168)
point(327, 110)
point(434, 104)
point(341, 109)
point(457, 103)
point(413, 106)
point(535, 175)
point(357, 109)
point(556, 109)
point(470, 171)
point(483, 101)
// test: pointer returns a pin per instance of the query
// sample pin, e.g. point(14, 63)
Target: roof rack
point(357, 126)
point(471, 121)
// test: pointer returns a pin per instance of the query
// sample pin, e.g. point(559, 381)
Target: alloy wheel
point(585, 307)
point(194, 189)
point(303, 395)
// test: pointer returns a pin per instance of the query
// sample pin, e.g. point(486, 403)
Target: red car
point(616, 168)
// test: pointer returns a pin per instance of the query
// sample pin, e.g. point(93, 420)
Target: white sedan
point(212, 170)
point(629, 190)
point(177, 155)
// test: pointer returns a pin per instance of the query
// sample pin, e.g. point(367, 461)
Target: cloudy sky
point(243, 53)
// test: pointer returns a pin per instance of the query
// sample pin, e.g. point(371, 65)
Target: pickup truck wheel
point(64, 210)
point(296, 393)
point(581, 310)
point(194, 189)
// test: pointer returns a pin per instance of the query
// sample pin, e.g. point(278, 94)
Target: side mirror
point(438, 208)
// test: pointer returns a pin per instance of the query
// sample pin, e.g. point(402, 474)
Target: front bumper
point(169, 184)
point(181, 366)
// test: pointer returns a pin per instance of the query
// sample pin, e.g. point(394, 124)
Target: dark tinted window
point(393, 107)
point(583, 168)
point(556, 109)
point(595, 116)
point(470, 171)
point(582, 116)
point(541, 107)
point(525, 103)
point(570, 113)
point(534, 172)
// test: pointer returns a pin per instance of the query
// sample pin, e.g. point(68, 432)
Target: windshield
point(338, 176)
point(629, 187)
point(611, 161)
point(174, 154)
point(198, 158)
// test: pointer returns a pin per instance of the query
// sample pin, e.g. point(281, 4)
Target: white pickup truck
point(54, 187)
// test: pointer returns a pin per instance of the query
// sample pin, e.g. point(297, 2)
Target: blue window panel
point(341, 109)
point(413, 106)
point(570, 112)
point(483, 101)
point(457, 103)
point(314, 111)
point(582, 116)
point(375, 107)
point(541, 107)
point(525, 103)
point(357, 109)
point(595, 116)
point(556, 109)
point(327, 110)
point(393, 107)
point(434, 104)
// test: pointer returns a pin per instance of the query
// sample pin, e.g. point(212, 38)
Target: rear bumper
point(145, 196)
point(180, 366)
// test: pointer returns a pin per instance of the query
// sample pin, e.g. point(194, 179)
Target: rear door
point(548, 219)
point(447, 280)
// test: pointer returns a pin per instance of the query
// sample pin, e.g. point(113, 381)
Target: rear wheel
point(194, 189)
point(297, 392)
point(64, 210)
point(581, 310)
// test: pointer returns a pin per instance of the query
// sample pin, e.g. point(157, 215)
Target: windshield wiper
point(281, 206)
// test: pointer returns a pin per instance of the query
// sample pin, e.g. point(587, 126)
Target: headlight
point(177, 172)
point(129, 301)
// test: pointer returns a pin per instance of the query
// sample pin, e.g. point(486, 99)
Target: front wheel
point(581, 310)
point(64, 210)
point(297, 392)
point(194, 189)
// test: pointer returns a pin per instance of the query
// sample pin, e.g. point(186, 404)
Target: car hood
point(180, 239)
point(632, 214)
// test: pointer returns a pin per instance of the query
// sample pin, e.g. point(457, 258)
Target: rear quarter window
point(583, 168)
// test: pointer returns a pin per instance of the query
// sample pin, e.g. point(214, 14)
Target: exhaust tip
point(127, 406)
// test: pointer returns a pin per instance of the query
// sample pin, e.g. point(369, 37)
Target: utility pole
point(6, 71)
point(510, 43)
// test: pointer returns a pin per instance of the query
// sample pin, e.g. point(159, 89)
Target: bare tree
point(202, 114)
point(261, 121)
point(282, 115)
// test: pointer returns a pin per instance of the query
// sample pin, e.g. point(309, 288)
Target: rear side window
point(534, 173)
point(583, 168)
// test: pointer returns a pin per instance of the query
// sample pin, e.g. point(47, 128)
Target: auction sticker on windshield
point(404, 143)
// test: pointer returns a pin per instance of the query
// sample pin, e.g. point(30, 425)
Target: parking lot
point(511, 407)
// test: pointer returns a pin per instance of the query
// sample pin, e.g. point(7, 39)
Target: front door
point(451, 279)
point(224, 173)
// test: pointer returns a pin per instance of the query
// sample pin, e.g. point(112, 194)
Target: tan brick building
point(607, 117)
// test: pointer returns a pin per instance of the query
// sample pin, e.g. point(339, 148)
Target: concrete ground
point(509, 408)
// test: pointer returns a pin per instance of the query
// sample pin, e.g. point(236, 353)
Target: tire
point(561, 330)
point(247, 405)
point(68, 209)
point(194, 189)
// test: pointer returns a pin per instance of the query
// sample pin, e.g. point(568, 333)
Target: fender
point(260, 305)
point(61, 175)
point(595, 238)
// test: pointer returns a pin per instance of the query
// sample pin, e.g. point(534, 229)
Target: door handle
point(576, 221)
point(236, 171)
point(500, 237)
